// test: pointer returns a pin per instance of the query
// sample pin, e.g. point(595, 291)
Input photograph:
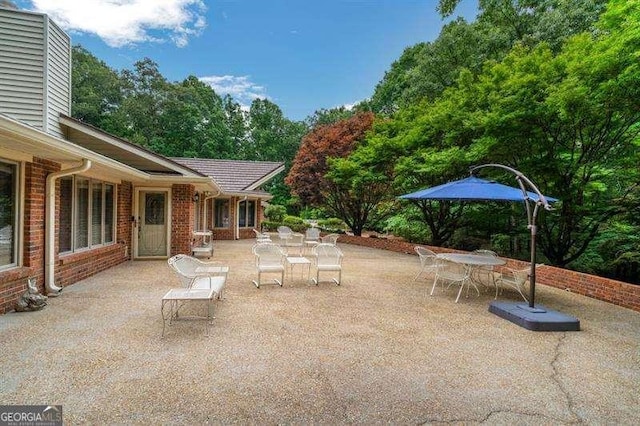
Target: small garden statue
point(31, 300)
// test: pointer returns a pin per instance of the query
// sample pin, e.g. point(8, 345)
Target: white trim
point(136, 223)
point(147, 155)
point(10, 154)
point(265, 178)
point(71, 151)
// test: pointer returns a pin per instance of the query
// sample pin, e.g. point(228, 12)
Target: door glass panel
point(152, 232)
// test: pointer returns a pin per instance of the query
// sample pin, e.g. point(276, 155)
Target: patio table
point(292, 261)
point(472, 261)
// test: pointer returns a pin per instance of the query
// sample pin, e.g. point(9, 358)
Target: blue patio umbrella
point(476, 189)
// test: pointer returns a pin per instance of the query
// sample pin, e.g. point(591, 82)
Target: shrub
point(275, 212)
point(295, 223)
point(333, 224)
point(411, 230)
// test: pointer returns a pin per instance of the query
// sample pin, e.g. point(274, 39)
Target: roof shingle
point(232, 175)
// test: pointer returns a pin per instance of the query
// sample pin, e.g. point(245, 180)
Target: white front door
point(152, 223)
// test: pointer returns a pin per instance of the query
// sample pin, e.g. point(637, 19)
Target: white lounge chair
point(201, 282)
point(196, 274)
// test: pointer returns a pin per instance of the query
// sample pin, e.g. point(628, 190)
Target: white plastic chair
point(454, 273)
point(513, 278)
point(328, 258)
point(270, 258)
point(428, 260)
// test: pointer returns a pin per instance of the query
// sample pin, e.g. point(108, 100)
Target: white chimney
point(35, 69)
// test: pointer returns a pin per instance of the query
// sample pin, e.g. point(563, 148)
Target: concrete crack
point(487, 418)
point(556, 376)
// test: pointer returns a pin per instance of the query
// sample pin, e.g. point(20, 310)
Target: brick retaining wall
point(605, 289)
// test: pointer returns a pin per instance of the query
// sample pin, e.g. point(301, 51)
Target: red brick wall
point(608, 290)
point(182, 217)
point(74, 267)
point(12, 284)
point(14, 281)
point(223, 234)
point(68, 268)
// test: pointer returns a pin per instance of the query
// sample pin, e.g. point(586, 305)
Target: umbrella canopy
point(473, 188)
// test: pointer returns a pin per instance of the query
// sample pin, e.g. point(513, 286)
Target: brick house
point(75, 200)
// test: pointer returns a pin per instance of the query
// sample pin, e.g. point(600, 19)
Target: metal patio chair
point(428, 261)
point(330, 239)
point(328, 258)
point(269, 258)
point(196, 274)
point(514, 278)
point(454, 273)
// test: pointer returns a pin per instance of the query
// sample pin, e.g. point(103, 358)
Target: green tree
point(427, 69)
point(568, 120)
point(96, 94)
point(273, 137)
point(344, 192)
point(145, 91)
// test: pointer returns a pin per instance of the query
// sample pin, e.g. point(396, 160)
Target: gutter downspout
point(209, 197)
point(50, 223)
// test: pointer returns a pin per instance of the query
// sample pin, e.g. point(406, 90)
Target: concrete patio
point(377, 349)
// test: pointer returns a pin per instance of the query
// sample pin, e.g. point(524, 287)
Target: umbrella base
point(536, 319)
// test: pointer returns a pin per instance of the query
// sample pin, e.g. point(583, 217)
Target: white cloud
point(241, 88)
point(123, 22)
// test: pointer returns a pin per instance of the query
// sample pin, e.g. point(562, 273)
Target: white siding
point(22, 66)
point(58, 77)
point(35, 64)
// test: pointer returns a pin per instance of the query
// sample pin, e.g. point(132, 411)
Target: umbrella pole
point(524, 182)
point(532, 274)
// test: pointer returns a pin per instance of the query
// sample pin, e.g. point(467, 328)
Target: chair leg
point(521, 294)
point(339, 277)
point(416, 277)
point(435, 281)
point(460, 291)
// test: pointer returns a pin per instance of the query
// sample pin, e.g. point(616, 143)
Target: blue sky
point(303, 55)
